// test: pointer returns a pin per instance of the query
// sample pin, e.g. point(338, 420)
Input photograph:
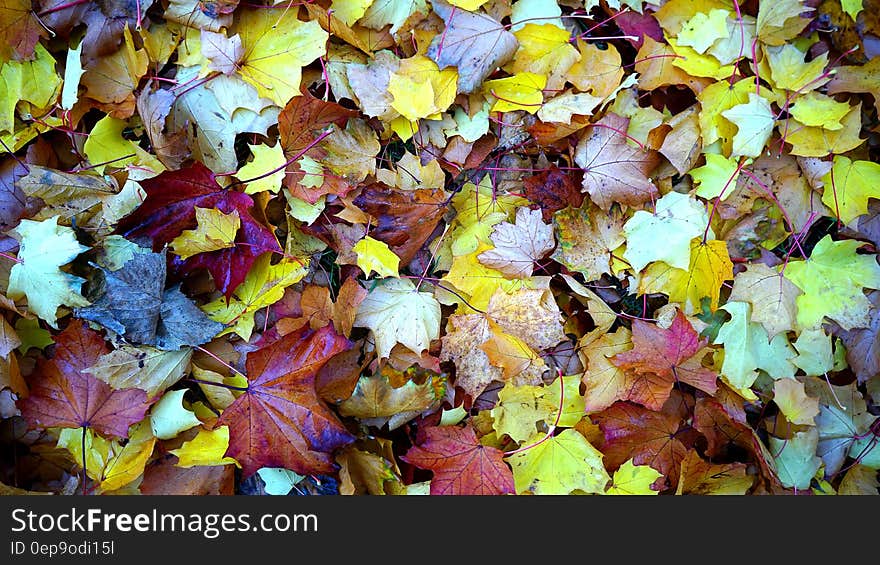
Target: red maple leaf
point(461, 464)
point(64, 396)
point(279, 421)
point(169, 209)
point(648, 437)
point(300, 126)
point(660, 357)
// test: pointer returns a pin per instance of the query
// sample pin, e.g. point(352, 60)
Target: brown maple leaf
point(64, 395)
point(406, 218)
point(20, 30)
point(461, 464)
point(614, 169)
point(279, 421)
point(660, 357)
point(553, 190)
point(647, 437)
point(163, 477)
point(300, 125)
point(726, 436)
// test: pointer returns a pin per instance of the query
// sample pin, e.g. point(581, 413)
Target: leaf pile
point(440, 247)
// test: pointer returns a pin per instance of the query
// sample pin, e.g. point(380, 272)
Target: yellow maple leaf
point(544, 49)
point(34, 82)
point(703, 29)
point(696, 64)
point(848, 186)
point(522, 91)
point(420, 89)
point(630, 479)
point(375, 256)
point(478, 281)
point(710, 266)
point(266, 159)
point(809, 141)
point(207, 449)
point(716, 99)
point(788, 71)
point(263, 286)
point(276, 51)
point(469, 5)
point(819, 110)
point(215, 230)
point(105, 145)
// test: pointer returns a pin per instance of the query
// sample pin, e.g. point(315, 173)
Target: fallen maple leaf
point(661, 357)
point(473, 43)
point(397, 312)
point(279, 420)
point(461, 465)
point(20, 30)
point(553, 190)
point(300, 124)
point(701, 477)
point(518, 246)
point(646, 437)
point(135, 304)
point(376, 401)
point(404, 218)
point(560, 464)
point(64, 395)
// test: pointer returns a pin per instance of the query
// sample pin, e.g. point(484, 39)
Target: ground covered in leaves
point(419, 246)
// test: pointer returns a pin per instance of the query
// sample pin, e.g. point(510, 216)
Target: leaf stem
point(11, 258)
point(85, 464)
point(221, 361)
point(222, 385)
point(552, 428)
point(60, 7)
point(314, 142)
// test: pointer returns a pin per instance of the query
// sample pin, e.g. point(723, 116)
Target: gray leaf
point(129, 299)
point(132, 302)
point(182, 323)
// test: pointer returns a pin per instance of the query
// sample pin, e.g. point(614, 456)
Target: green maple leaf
point(796, 460)
point(747, 348)
point(560, 465)
point(832, 280)
point(848, 186)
